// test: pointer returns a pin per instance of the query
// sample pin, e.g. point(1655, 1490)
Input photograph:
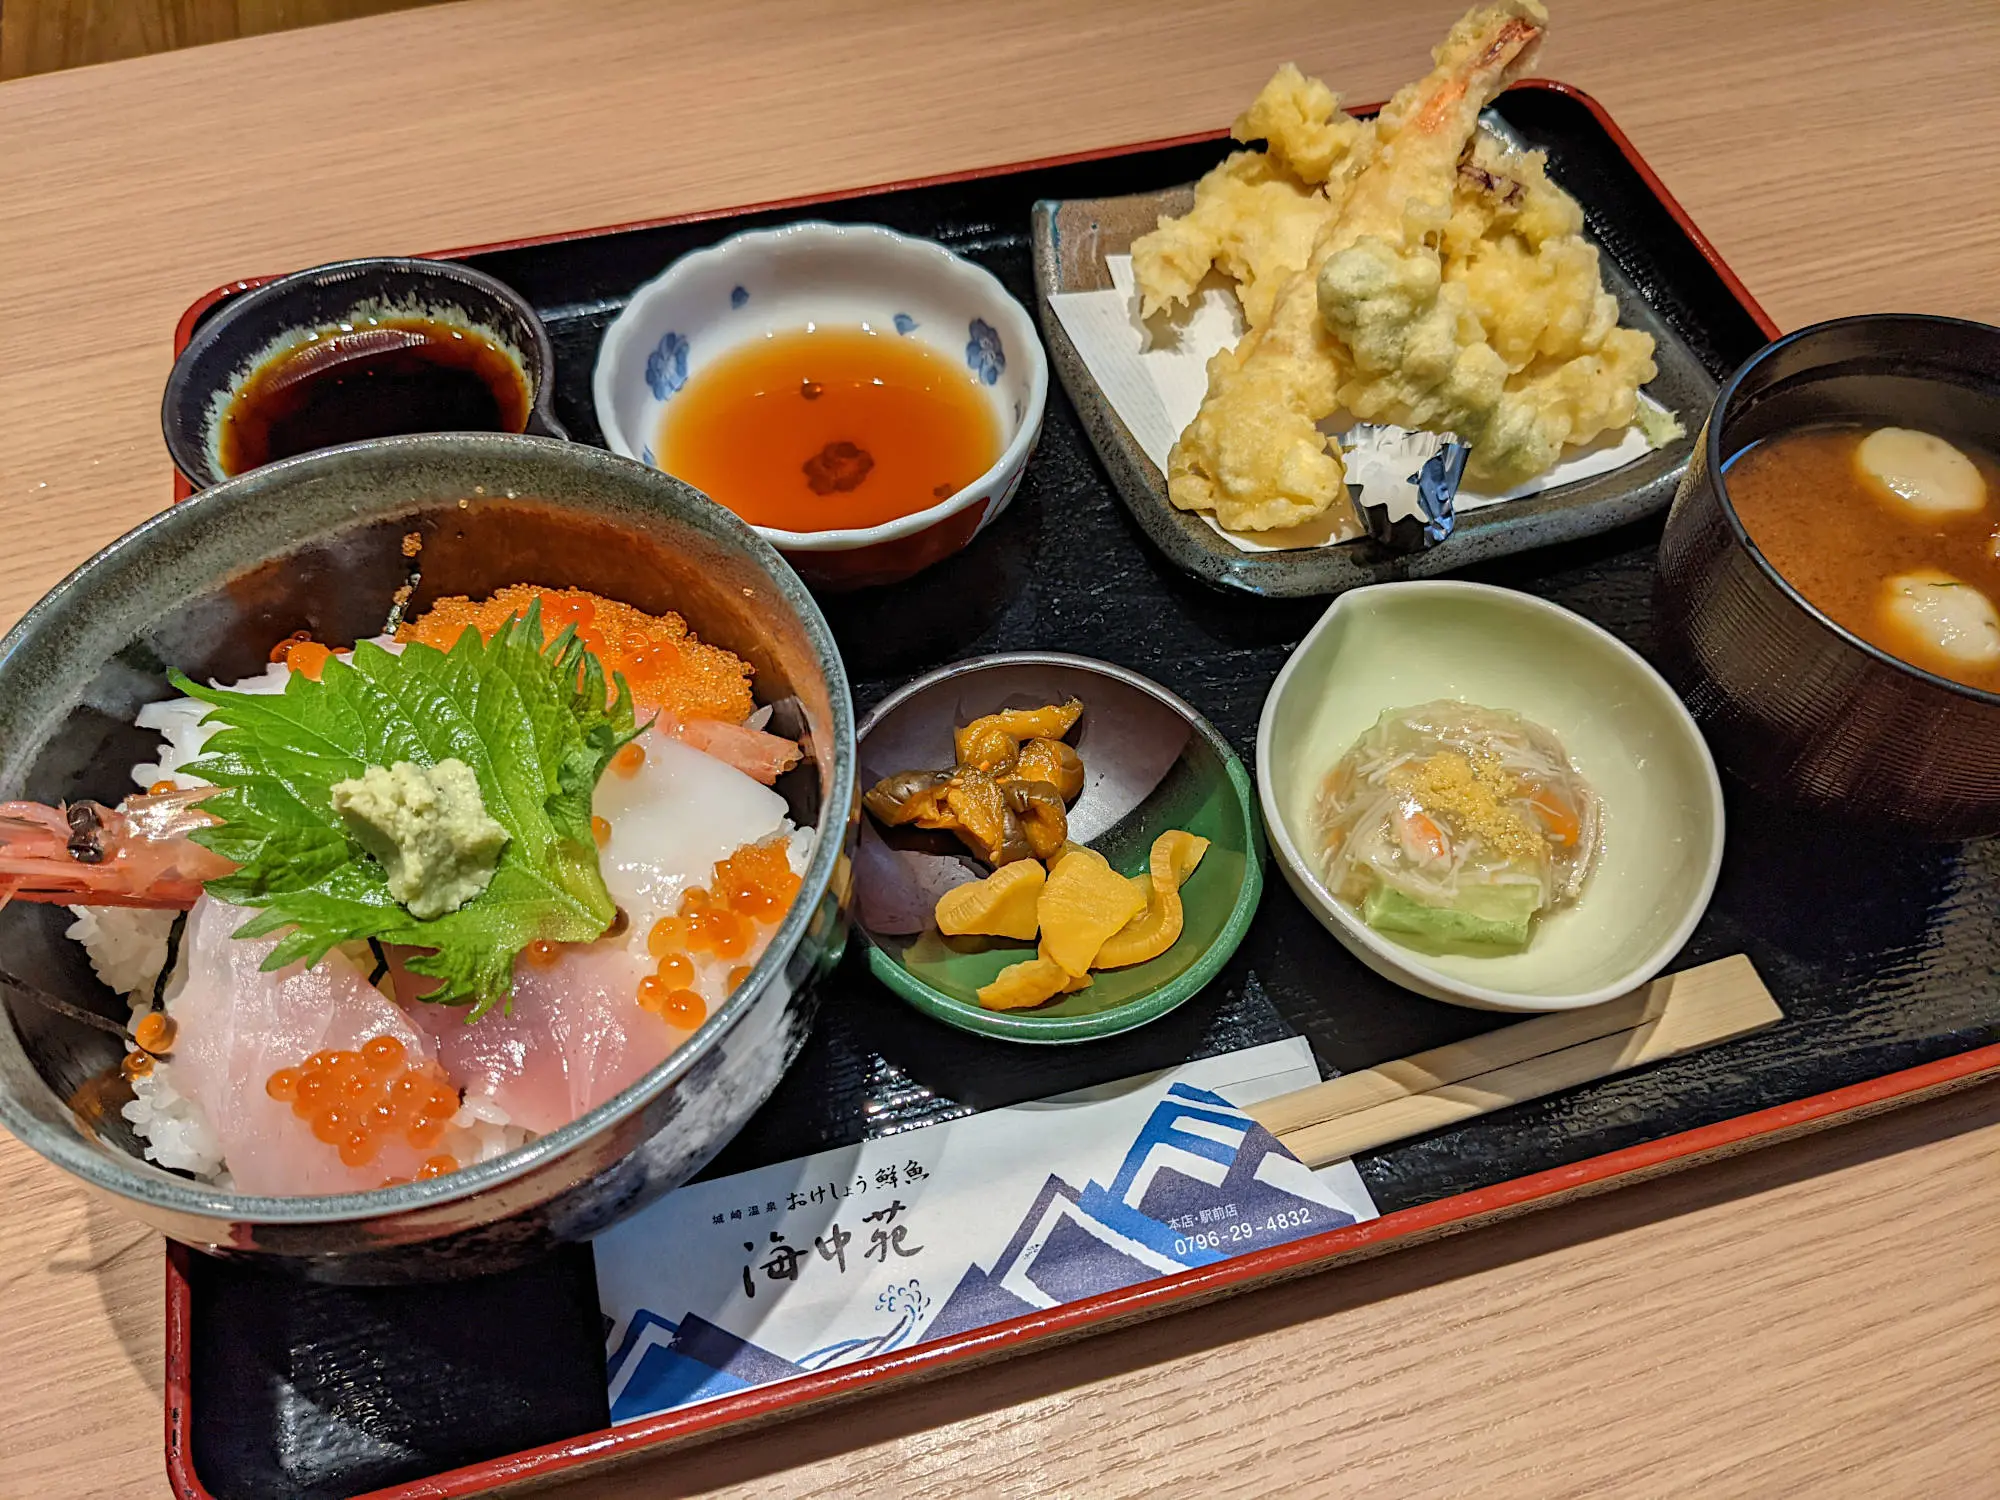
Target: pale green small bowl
point(1151, 763)
point(1398, 645)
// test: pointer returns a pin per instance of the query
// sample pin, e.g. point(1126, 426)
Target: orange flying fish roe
point(359, 1100)
point(667, 667)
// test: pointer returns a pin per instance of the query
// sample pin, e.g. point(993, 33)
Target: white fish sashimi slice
point(236, 1025)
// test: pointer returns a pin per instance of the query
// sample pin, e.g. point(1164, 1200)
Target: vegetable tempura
point(1410, 271)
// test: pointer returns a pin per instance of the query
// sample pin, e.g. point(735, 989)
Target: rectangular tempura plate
point(1881, 954)
point(1642, 241)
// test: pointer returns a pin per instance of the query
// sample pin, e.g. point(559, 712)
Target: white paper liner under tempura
point(1155, 375)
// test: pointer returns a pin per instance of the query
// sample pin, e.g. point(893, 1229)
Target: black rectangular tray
point(1883, 955)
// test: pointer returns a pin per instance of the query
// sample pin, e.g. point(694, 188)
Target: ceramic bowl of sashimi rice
point(415, 854)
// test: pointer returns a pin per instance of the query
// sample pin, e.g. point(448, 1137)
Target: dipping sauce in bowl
point(1913, 565)
point(350, 352)
point(826, 427)
point(868, 401)
point(389, 376)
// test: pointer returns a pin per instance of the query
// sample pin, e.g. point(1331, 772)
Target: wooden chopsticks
point(1674, 1014)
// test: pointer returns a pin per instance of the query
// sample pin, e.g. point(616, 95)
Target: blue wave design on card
point(1200, 1182)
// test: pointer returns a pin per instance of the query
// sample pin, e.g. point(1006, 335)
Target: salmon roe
point(308, 657)
point(358, 1101)
point(542, 953)
point(667, 667)
point(155, 1031)
point(756, 885)
point(600, 830)
point(161, 788)
point(628, 759)
point(284, 648)
point(685, 1009)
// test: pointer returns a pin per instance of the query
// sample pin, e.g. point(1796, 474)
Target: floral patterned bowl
point(769, 280)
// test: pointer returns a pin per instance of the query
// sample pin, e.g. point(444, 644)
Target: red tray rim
point(184, 329)
point(765, 1404)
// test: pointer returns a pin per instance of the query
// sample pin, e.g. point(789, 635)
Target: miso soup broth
point(1892, 533)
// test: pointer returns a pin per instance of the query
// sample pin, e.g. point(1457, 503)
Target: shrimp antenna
point(63, 1008)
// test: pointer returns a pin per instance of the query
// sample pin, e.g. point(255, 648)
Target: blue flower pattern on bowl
point(667, 365)
point(738, 296)
point(647, 455)
point(904, 323)
point(984, 354)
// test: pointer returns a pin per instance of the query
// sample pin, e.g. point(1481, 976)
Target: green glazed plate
point(1151, 764)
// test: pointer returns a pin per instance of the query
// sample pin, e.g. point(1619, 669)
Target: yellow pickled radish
point(1148, 935)
point(1182, 851)
point(1083, 902)
point(1001, 905)
point(1033, 981)
point(1156, 929)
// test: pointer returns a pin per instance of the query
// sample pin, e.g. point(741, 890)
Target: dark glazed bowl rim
point(1712, 456)
point(128, 1177)
point(538, 359)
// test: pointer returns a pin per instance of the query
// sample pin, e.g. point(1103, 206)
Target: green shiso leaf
point(530, 720)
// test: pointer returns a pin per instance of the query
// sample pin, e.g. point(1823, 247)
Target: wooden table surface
point(1819, 1318)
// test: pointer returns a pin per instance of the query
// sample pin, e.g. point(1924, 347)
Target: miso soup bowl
point(1795, 705)
point(1399, 645)
point(314, 543)
point(771, 281)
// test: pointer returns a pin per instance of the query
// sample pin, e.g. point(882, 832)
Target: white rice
point(127, 947)
point(176, 1133)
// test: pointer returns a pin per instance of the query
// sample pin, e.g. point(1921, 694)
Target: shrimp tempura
point(1484, 313)
point(1254, 454)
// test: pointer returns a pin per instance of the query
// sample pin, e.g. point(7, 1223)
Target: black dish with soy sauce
point(356, 350)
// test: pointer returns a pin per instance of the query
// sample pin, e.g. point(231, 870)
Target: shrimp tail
point(755, 752)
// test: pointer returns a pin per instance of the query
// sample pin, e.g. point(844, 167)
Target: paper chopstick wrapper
point(811, 1264)
point(1155, 375)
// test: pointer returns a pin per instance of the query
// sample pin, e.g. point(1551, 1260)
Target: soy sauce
point(396, 375)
